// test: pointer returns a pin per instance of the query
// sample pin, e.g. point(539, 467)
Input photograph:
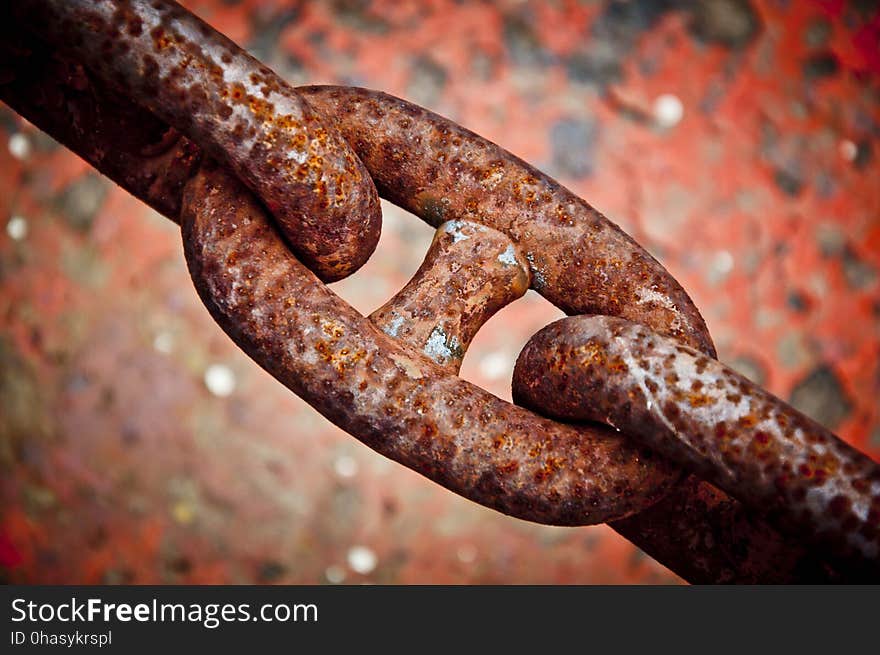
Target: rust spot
point(508, 468)
point(161, 39)
point(700, 399)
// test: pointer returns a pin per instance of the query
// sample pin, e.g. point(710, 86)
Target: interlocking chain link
point(252, 168)
point(701, 413)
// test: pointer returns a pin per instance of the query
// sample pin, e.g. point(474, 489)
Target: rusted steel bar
point(707, 537)
point(700, 533)
point(712, 421)
point(238, 110)
point(465, 278)
point(390, 396)
point(581, 262)
point(108, 130)
point(470, 272)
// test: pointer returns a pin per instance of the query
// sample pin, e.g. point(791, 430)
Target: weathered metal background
point(736, 140)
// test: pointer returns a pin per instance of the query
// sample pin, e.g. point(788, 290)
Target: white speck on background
point(361, 559)
point(345, 466)
point(19, 146)
point(163, 342)
point(723, 261)
point(494, 365)
point(668, 110)
point(466, 553)
point(334, 574)
point(220, 380)
point(17, 227)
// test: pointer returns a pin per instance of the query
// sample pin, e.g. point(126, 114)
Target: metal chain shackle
point(243, 145)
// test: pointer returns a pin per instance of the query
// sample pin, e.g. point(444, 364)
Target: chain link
point(713, 421)
point(252, 168)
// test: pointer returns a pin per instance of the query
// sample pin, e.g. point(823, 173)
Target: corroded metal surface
point(470, 272)
point(240, 111)
point(709, 538)
point(626, 479)
point(635, 491)
point(581, 262)
point(710, 420)
point(393, 398)
point(110, 131)
point(440, 171)
point(670, 526)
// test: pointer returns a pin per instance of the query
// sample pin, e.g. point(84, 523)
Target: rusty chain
point(275, 189)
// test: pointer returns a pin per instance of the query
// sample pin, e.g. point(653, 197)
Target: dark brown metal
point(388, 394)
point(583, 263)
point(580, 261)
point(707, 537)
point(243, 114)
point(710, 420)
point(393, 397)
point(108, 130)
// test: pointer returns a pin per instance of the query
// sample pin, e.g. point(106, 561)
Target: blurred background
point(737, 140)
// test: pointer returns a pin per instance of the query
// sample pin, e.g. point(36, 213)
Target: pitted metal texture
point(253, 168)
